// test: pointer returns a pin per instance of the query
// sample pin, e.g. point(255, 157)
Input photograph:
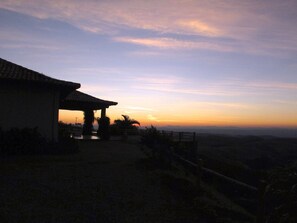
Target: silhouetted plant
point(281, 195)
point(125, 125)
point(88, 122)
point(21, 141)
point(160, 145)
point(103, 128)
point(29, 141)
point(150, 136)
point(64, 130)
point(115, 130)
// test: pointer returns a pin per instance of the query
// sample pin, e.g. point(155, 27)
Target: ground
point(104, 182)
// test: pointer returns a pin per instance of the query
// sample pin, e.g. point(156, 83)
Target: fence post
point(199, 172)
point(261, 202)
point(180, 136)
point(171, 155)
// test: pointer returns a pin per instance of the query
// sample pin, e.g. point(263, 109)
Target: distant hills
point(253, 131)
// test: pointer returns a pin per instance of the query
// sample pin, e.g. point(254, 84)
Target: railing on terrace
point(190, 140)
point(180, 136)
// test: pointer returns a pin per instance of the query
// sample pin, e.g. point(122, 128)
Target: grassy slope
point(115, 182)
point(105, 182)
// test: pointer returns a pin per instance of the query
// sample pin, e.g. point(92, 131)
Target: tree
point(125, 124)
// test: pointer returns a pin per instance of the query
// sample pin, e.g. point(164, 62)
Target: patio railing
point(192, 164)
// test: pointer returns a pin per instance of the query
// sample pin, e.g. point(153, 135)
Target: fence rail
point(190, 137)
point(180, 136)
point(212, 172)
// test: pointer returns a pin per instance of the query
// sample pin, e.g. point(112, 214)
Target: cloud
point(30, 46)
point(97, 89)
point(180, 90)
point(199, 27)
point(274, 85)
point(13, 38)
point(223, 88)
point(152, 118)
point(223, 105)
point(170, 43)
point(251, 26)
point(286, 102)
point(178, 85)
point(166, 80)
point(137, 108)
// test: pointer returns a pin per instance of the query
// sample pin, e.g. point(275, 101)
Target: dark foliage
point(248, 159)
point(103, 128)
point(150, 136)
point(28, 141)
point(126, 122)
point(160, 145)
point(115, 130)
point(125, 126)
point(20, 141)
point(281, 196)
point(64, 130)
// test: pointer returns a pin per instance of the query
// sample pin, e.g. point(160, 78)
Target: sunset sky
point(166, 62)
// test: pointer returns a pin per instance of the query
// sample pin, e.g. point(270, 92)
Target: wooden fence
point(180, 136)
point(190, 140)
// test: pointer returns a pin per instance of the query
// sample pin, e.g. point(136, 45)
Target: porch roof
point(77, 100)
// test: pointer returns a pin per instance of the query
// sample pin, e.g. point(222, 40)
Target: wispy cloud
point(137, 108)
point(170, 43)
point(254, 27)
point(98, 89)
point(166, 80)
point(199, 27)
point(226, 88)
point(273, 85)
point(30, 46)
point(286, 102)
point(151, 117)
point(223, 105)
point(11, 38)
point(180, 90)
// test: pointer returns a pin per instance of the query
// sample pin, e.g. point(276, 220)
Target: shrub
point(159, 144)
point(21, 141)
point(64, 130)
point(29, 141)
point(150, 136)
point(281, 197)
point(103, 128)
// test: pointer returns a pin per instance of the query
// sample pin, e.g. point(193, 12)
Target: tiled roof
point(14, 72)
point(78, 100)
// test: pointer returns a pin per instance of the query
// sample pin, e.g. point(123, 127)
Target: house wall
point(27, 105)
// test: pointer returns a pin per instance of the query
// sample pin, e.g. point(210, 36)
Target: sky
point(166, 62)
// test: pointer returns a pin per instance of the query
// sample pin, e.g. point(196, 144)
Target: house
point(29, 99)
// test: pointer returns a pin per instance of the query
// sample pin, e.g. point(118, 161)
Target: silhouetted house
point(31, 99)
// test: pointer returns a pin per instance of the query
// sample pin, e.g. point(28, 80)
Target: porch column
point(103, 112)
point(88, 121)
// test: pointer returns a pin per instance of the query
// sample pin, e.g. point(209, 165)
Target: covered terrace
point(78, 101)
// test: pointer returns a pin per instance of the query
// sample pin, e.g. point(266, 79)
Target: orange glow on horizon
point(187, 121)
